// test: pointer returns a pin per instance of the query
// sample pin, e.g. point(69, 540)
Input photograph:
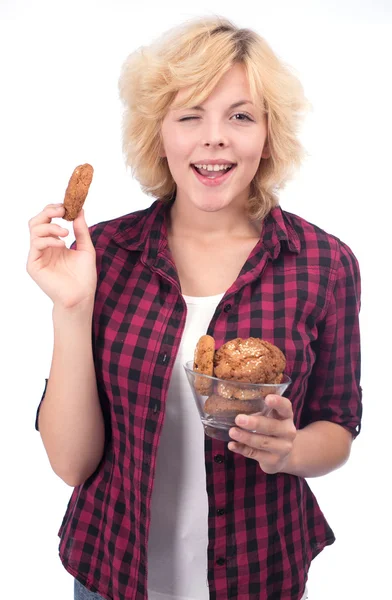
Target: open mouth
point(213, 178)
point(212, 174)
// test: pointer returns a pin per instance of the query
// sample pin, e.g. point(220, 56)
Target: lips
point(214, 181)
point(219, 172)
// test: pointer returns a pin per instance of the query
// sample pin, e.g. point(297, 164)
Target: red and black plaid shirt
point(300, 290)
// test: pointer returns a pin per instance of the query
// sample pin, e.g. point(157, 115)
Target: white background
point(60, 63)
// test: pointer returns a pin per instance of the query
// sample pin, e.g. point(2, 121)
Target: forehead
point(233, 87)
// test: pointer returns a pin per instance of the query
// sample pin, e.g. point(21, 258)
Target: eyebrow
point(235, 105)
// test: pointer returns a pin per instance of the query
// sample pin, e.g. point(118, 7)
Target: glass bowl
point(219, 401)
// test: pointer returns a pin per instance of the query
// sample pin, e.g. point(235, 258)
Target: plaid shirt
point(300, 290)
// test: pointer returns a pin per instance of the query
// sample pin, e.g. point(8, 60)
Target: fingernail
point(241, 420)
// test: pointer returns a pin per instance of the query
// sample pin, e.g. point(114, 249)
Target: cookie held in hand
point(77, 190)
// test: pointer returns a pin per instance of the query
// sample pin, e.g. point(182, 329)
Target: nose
point(217, 143)
point(213, 136)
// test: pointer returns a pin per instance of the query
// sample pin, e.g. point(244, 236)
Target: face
point(216, 132)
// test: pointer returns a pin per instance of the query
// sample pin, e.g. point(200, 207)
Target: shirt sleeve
point(334, 392)
point(39, 406)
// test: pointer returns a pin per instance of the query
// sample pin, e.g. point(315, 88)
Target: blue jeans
point(82, 593)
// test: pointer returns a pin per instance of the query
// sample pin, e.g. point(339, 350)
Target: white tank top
point(178, 538)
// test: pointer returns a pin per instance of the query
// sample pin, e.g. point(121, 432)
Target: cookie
point(230, 390)
point(204, 363)
point(251, 360)
point(76, 192)
point(225, 407)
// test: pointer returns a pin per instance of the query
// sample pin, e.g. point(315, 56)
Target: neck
point(191, 222)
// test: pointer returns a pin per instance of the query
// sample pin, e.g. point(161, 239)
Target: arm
point(70, 417)
point(332, 410)
point(318, 449)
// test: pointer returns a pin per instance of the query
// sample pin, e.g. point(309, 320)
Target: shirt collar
point(148, 234)
point(277, 231)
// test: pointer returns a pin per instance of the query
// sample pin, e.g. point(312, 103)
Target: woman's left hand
point(273, 443)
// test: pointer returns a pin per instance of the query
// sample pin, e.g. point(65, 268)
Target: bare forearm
point(318, 449)
point(70, 420)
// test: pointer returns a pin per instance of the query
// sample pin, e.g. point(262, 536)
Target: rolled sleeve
point(334, 392)
point(40, 404)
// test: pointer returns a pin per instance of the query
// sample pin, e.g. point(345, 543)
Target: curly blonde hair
point(196, 55)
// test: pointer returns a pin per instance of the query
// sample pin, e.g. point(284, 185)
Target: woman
point(210, 130)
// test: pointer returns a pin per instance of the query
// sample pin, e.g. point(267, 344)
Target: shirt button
point(218, 458)
point(164, 358)
point(227, 308)
point(220, 512)
point(220, 561)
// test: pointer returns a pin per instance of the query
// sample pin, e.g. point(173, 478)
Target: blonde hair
point(196, 55)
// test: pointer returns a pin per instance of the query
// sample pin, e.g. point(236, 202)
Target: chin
point(212, 204)
point(210, 207)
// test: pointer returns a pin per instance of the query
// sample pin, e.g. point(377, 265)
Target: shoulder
point(319, 245)
point(105, 233)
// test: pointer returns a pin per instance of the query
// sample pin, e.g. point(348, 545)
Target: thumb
point(82, 234)
point(282, 407)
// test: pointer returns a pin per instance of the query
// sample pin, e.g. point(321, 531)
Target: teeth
point(214, 167)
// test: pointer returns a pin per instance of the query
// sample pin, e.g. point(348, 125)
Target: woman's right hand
point(68, 277)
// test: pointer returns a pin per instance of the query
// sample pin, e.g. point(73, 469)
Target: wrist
point(318, 449)
point(289, 463)
point(82, 312)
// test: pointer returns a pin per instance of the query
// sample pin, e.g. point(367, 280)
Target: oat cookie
point(230, 390)
point(76, 192)
point(204, 363)
point(218, 406)
point(250, 360)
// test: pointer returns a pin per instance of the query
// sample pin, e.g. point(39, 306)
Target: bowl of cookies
point(233, 380)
